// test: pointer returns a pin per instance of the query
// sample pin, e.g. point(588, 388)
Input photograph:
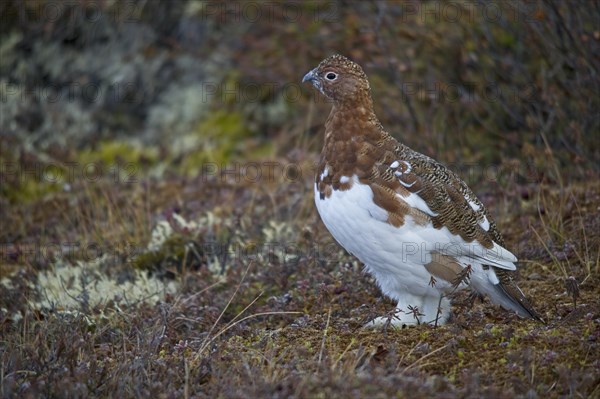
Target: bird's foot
point(433, 311)
point(398, 320)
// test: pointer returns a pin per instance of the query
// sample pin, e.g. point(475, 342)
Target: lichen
point(85, 285)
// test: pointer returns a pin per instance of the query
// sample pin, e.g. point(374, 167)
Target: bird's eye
point(331, 76)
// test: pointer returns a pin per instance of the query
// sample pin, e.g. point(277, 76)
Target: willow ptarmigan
point(417, 227)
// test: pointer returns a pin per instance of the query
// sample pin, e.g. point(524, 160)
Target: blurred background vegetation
point(511, 85)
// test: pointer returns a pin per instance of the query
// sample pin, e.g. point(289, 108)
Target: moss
point(220, 137)
point(28, 190)
point(173, 256)
point(118, 152)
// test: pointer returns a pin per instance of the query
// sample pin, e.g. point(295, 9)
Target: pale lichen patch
point(84, 284)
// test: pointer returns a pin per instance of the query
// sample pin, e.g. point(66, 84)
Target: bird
point(416, 226)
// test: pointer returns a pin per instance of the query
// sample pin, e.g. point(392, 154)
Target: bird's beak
point(310, 76)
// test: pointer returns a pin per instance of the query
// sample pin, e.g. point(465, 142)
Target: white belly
point(396, 256)
point(393, 255)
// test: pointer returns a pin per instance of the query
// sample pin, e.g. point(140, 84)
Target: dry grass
point(265, 303)
point(274, 325)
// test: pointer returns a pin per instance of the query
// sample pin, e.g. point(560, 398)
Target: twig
point(413, 364)
point(324, 336)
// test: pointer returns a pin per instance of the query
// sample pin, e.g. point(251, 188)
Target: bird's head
point(339, 79)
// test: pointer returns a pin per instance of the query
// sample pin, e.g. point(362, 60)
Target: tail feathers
point(510, 297)
point(500, 287)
